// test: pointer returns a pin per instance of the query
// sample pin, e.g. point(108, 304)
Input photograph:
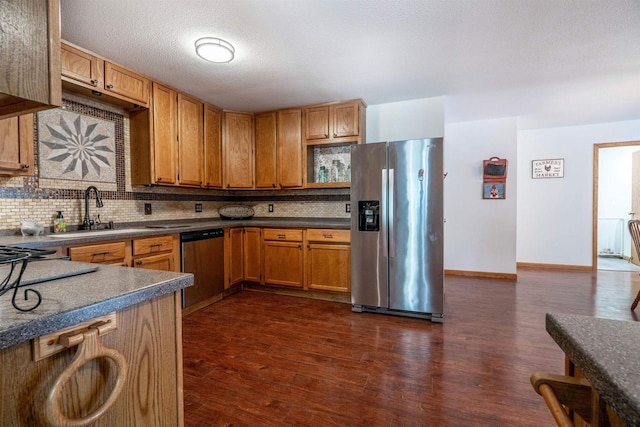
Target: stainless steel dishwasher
point(202, 255)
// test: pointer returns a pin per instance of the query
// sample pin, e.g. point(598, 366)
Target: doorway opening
point(613, 205)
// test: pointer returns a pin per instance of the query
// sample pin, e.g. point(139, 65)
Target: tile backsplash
point(36, 199)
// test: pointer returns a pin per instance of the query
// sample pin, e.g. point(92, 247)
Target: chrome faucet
point(88, 222)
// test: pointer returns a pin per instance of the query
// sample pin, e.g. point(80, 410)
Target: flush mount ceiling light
point(213, 49)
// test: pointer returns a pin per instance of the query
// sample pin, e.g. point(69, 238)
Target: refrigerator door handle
point(390, 215)
point(383, 214)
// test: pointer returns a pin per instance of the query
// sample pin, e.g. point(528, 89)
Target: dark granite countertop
point(606, 351)
point(71, 300)
point(135, 230)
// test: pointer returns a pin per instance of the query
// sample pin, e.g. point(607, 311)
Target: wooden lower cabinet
point(328, 260)
point(252, 254)
point(148, 335)
point(233, 257)
point(115, 253)
point(155, 253)
point(282, 257)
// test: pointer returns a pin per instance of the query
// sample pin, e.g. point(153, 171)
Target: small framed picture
point(493, 190)
point(547, 168)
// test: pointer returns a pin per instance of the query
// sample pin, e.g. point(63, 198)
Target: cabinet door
point(265, 150)
point(190, 140)
point(345, 119)
point(282, 263)
point(233, 257)
point(252, 251)
point(212, 147)
point(164, 134)
point(156, 262)
point(125, 82)
point(317, 123)
point(82, 66)
point(29, 56)
point(238, 150)
point(329, 267)
point(290, 148)
point(16, 145)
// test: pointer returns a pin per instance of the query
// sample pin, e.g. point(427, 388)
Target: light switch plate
point(347, 208)
point(147, 208)
point(270, 207)
point(198, 207)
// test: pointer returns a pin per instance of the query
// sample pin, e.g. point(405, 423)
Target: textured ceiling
point(568, 61)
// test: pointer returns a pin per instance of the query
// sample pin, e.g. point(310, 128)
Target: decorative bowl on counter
point(31, 228)
point(236, 212)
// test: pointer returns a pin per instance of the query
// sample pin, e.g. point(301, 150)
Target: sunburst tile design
point(76, 147)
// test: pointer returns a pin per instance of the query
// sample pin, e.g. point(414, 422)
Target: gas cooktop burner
point(13, 261)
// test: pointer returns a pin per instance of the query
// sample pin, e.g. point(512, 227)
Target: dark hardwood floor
point(259, 359)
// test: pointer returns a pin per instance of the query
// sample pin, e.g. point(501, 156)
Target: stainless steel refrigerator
point(397, 228)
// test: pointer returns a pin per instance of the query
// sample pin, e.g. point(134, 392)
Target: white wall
point(480, 235)
point(415, 119)
point(554, 215)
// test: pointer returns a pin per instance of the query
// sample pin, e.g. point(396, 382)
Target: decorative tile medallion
point(76, 147)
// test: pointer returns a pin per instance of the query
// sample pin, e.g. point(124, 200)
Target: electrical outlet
point(198, 207)
point(147, 208)
point(347, 208)
point(270, 207)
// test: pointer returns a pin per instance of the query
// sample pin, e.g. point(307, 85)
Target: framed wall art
point(547, 168)
point(493, 190)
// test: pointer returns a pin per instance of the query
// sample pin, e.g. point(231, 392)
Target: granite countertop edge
point(139, 230)
point(592, 361)
point(73, 316)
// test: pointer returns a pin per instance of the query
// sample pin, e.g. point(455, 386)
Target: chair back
point(634, 229)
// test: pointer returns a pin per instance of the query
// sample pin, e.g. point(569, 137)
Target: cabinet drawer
point(106, 253)
point(282, 234)
point(327, 235)
point(152, 245)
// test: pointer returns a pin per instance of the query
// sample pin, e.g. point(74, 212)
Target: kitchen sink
point(89, 233)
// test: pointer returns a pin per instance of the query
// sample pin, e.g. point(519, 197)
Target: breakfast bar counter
point(103, 347)
point(606, 352)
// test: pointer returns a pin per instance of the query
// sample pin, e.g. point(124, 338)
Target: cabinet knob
point(94, 82)
point(109, 86)
point(335, 135)
point(138, 262)
point(326, 135)
point(25, 166)
point(207, 184)
point(159, 178)
point(273, 185)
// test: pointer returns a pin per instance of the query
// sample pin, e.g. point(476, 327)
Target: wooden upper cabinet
point(82, 66)
point(317, 122)
point(238, 150)
point(164, 135)
point(30, 56)
point(16, 145)
point(124, 82)
point(345, 119)
point(290, 148)
point(334, 123)
point(212, 147)
point(266, 150)
point(190, 140)
point(87, 73)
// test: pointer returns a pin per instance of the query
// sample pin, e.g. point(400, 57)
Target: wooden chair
point(634, 229)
